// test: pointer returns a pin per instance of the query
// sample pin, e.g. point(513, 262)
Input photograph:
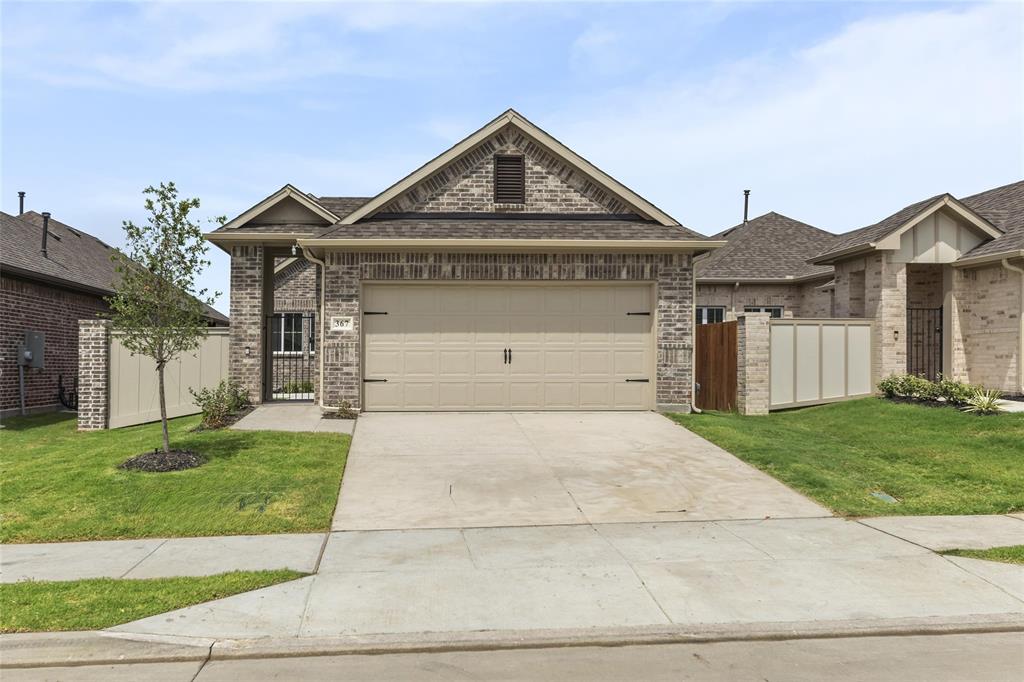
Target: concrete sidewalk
point(696, 574)
point(159, 558)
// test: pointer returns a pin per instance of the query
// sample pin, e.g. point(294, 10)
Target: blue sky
point(833, 113)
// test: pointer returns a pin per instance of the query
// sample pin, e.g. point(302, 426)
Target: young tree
point(155, 303)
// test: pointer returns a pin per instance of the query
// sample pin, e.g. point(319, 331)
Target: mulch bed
point(158, 460)
point(228, 421)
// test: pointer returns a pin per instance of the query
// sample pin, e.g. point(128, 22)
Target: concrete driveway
point(460, 470)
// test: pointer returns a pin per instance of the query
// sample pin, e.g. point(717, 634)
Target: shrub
point(221, 403)
point(954, 392)
point(983, 402)
point(346, 411)
point(908, 386)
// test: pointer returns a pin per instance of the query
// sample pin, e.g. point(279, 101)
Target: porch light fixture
point(896, 334)
point(294, 251)
point(247, 351)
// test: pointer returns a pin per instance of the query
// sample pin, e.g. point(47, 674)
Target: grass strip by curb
point(1013, 554)
point(96, 603)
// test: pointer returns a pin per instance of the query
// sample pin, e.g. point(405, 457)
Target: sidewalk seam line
point(139, 562)
point(202, 664)
point(637, 575)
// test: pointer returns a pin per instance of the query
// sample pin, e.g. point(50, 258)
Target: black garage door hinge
point(372, 312)
point(643, 313)
point(375, 381)
point(638, 381)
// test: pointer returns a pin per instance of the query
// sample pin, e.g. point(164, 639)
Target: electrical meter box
point(30, 353)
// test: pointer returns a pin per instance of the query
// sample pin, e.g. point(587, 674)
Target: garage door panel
point(443, 347)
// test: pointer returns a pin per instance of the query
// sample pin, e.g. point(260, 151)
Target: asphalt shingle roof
point(510, 226)
point(342, 206)
point(1004, 208)
point(872, 233)
point(771, 246)
point(73, 257)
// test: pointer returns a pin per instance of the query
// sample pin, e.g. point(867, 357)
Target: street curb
point(104, 648)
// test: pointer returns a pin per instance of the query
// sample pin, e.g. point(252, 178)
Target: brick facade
point(33, 306)
point(797, 300)
point(673, 274)
point(296, 287)
point(467, 184)
point(753, 388)
point(248, 307)
point(94, 379)
point(987, 327)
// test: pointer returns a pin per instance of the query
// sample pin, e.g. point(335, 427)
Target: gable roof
point(769, 247)
point(1004, 208)
point(74, 259)
point(867, 238)
point(287, 192)
point(511, 117)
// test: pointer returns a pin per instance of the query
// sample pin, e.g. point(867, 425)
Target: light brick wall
point(752, 363)
point(467, 184)
point(93, 374)
point(797, 300)
point(245, 357)
point(986, 333)
point(885, 301)
point(672, 273)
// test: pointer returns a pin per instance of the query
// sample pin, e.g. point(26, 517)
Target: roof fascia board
point(644, 207)
point(892, 240)
point(513, 245)
point(288, 191)
point(987, 258)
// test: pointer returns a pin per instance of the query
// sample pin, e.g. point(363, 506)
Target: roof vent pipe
point(46, 230)
point(21, 203)
point(746, 204)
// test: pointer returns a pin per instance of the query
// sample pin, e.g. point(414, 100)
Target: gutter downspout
point(1020, 334)
point(323, 322)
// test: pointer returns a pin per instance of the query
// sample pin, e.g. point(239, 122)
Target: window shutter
point(509, 179)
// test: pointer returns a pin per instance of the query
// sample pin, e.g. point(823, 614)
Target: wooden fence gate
point(715, 366)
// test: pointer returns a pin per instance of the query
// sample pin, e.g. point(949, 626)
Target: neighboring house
point(763, 268)
point(51, 276)
point(943, 281)
point(506, 273)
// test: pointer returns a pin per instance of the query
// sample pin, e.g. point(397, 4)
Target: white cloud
point(888, 111)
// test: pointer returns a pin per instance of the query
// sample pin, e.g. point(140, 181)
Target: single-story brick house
point(51, 276)
point(943, 279)
point(506, 273)
point(763, 268)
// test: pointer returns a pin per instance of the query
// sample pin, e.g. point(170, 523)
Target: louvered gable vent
point(509, 179)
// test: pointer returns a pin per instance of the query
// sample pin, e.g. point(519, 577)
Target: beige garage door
point(490, 347)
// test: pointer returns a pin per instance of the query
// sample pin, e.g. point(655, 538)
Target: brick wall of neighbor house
point(247, 319)
point(672, 272)
point(466, 185)
point(31, 306)
point(986, 327)
point(94, 358)
point(797, 300)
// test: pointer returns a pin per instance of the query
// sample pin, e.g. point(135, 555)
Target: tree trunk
point(163, 407)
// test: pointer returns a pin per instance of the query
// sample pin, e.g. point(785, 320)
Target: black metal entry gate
point(924, 342)
point(290, 352)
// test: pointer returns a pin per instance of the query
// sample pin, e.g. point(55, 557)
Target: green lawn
point(933, 460)
point(58, 484)
point(104, 602)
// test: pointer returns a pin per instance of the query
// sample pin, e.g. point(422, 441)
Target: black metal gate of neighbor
point(290, 354)
point(924, 342)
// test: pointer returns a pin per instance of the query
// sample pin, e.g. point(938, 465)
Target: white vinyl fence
point(133, 397)
point(818, 361)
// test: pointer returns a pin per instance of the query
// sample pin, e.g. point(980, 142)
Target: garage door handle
point(510, 356)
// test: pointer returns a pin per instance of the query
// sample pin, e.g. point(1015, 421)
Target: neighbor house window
point(773, 310)
point(286, 333)
point(710, 314)
point(509, 179)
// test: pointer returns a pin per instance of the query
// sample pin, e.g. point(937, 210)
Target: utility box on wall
point(30, 353)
